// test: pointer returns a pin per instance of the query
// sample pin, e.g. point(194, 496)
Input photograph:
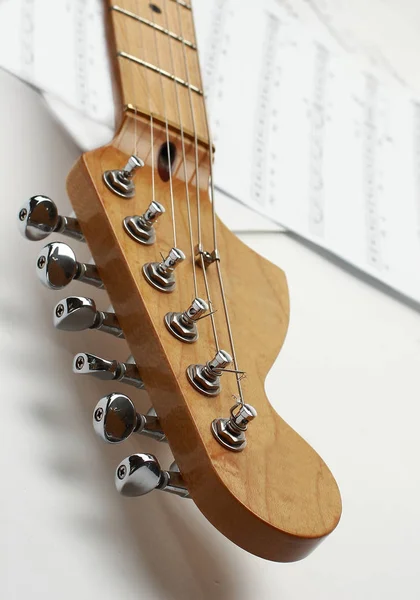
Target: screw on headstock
point(79, 363)
point(121, 472)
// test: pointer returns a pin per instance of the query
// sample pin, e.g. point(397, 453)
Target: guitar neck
point(157, 64)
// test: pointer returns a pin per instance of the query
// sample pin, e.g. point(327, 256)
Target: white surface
point(347, 380)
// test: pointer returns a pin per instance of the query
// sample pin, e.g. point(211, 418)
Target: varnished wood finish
point(277, 498)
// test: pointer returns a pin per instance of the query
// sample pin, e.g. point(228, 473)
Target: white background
point(347, 380)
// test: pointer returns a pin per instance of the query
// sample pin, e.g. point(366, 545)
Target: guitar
point(204, 316)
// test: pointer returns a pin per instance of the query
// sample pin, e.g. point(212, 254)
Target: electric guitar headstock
point(204, 316)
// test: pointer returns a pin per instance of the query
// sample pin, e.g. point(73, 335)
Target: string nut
point(161, 275)
point(183, 325)
point(206, 378)
point(141, 228)
point(120, 181)
point(230, 433)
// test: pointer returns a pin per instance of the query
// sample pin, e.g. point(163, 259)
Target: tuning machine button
point(115, 419)
point(120, 181)
point(76, 313)
point(109, 370)
point(161, 275)
point(230, 432)
point(206, 378)
point(141, 228)
point(140, 474)
point(184, 325)
point(39, 217)
point(57, 267)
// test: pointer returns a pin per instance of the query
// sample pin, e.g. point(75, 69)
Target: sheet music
point(314, 126)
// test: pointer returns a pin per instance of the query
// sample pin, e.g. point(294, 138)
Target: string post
point(161, 275)
point(206, 378)
point(120, 181)
point(230, 432)
point(141, 228)
point(183, 325)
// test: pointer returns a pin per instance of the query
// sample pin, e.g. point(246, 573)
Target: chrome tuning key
point(140, 474)
point(76, 313)
point(39, 217)
point(161, 275)
point(206, 378)
point(141, 228)
point(115, 419)
point(184, 325)
point(230, 432)
point(57, 267)
point(109, 370)
point(120, 181)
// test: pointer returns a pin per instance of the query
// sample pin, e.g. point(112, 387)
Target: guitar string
point(239, 374)
point(146, 78)
point(168, 147)
point(184, 160)
point(197, 177)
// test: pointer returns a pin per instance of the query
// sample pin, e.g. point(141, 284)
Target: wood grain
point(146, 90)
point(277, 498)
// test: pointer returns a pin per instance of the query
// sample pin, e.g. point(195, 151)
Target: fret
point(169, 18)
point(171, 34)
point(151, 56)
point(182, 3)
point(156, 69)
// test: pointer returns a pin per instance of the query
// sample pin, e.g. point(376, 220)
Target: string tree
point(141, 228)
point(203, 258)
point(120, 181)
point(183, 325)
point(161, 275)
point(206, 378)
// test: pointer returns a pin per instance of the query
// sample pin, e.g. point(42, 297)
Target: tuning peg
point(140, 474)
point(39, 217)
point(76, 313)
point(57, 267)
point(101, 368)
point(115, 419)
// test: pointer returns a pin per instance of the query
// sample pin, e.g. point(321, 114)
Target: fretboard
point(158, 64)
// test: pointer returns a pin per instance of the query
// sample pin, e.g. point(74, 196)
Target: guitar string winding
point(239, 374)
point(197, 177)
point(184, 160)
